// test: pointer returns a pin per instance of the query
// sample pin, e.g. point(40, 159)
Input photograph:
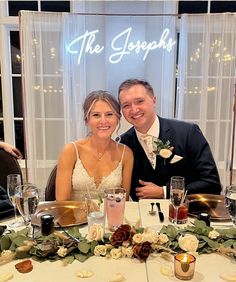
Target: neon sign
point(120, 44)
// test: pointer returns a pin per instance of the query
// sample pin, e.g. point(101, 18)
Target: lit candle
point(184, 266)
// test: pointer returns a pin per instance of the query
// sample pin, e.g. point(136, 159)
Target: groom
point(163, 147)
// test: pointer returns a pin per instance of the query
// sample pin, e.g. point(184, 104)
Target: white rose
point(6, 253)
point(188, 243)
point(138, 238)
point(213, 234)
point(150, 236)
point(127, 252)
point(62, 251)
point(95, 233)
point(165, 153)
point(116, 253)
point(100, 250)
point(163, 238)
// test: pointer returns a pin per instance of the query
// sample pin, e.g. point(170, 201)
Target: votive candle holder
point(184, 266)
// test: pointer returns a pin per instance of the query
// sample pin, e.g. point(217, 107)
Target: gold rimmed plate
point(66, 213)
point(208, 203)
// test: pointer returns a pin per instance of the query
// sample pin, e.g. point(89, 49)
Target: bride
point(96, 162)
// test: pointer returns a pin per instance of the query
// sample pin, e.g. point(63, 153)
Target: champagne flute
point(27, 198)
point(177, 188)
point(13, 180)
point(230, 202)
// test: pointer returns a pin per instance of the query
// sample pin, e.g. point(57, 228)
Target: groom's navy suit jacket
point(197, 166)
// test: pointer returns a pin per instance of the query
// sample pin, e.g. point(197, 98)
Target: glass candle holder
point(184, 266)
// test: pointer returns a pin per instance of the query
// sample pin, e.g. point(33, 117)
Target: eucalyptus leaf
point(84, 247)
point(81, 257)
point(5, 242)
point(213, 244)
point(228, 243)
point(74, 231)
point(68, 260)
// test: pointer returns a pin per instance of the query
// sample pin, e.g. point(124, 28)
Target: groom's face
point(138, 107)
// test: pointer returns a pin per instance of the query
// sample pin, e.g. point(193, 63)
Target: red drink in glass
point(182, 213)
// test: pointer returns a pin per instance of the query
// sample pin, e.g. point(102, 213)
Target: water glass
point(95, 208)
point(230, 202)
point(115, 206)
point(27, 199)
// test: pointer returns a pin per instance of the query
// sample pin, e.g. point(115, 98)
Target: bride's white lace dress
point(82, 182)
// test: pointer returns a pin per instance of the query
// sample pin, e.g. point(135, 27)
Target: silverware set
point(153, 212)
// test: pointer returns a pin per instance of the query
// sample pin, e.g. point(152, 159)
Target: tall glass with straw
point(177, 193)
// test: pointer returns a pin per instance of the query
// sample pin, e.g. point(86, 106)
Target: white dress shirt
point(147, 140)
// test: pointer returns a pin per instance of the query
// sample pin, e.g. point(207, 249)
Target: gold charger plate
point(208, 203)
point(67, 213)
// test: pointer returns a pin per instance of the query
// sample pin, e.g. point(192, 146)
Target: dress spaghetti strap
point(123, 153)
point(77, 153)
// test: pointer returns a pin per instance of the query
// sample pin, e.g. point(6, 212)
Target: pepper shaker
point(205, 217)
point(47, 224)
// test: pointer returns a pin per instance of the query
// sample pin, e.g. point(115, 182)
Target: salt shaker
point(47, 224)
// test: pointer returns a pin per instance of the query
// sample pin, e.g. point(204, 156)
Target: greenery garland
point(126, 241)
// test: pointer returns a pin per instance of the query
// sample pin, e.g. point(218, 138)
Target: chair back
point(50, 190)
point(8, 165)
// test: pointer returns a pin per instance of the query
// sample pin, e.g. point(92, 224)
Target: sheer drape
point(207, 64)
point(55, 81)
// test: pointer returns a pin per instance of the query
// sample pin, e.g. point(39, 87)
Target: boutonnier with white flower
point(127, 241)
point(165, 150)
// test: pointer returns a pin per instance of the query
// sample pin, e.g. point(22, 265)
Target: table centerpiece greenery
point(126, 241)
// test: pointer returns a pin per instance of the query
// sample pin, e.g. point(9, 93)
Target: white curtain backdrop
point(56, 79)
point(207, 65)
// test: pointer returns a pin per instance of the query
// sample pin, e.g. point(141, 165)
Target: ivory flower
point(116, 253)
point(100, 250)
point(138, 238)
point(150, 236)
point(163, 238)
point(127, 252)
point(213, 234)
point(188, 243)
point(165, 153)
point(62, 251)
point(95, 233)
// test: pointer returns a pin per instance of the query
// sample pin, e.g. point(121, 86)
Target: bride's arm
point(128, 161)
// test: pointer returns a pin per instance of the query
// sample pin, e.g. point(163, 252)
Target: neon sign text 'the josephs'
point(121, 45)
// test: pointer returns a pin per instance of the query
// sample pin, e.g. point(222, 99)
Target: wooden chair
point(8, 165)
point(50, 190)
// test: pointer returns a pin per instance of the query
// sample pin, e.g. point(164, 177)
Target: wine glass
point(177, 188)
point(27, 198)
point(230, 202)
point(13, 180)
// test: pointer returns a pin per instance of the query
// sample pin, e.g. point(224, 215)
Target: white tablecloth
point(208, 267)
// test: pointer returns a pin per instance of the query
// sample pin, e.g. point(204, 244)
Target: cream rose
point(165, 153)
point(138, 238)
point(127, 252)
point(188, 243)
point(213, 234)
point(62, 251)
point(163, 238)
point(95, 233)
point(150, 236)
point(100, 250)
point(116, 253)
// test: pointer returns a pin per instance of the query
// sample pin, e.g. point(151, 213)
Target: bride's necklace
point(100, 155)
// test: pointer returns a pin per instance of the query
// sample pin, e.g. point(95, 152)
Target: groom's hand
point(149, 190)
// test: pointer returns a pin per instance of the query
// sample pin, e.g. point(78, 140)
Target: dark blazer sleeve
point(204, 177)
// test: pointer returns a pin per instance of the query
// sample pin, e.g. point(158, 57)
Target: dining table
point(209, 267)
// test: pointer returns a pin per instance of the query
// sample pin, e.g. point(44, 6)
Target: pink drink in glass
point(115, 207)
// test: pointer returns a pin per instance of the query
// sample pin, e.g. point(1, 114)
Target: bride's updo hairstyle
point(100, 95)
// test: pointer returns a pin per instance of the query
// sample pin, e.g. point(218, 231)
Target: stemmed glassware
point(13, 180)
point(27, 198)
point(177, 192)
point(230, 202)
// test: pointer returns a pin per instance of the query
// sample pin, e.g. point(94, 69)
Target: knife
point(160, 213)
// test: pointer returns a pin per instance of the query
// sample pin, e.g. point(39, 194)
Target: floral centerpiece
point(126, 241)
